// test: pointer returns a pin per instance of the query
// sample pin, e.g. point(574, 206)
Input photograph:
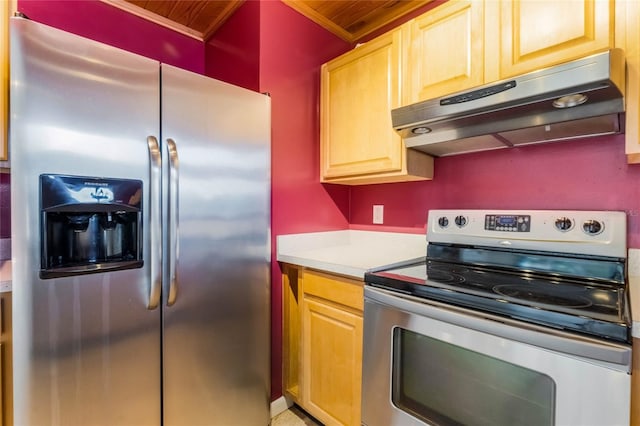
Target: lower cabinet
point(6, 366)
point(323, 344)
point(635, 383)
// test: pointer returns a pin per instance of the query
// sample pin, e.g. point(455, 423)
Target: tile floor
point(294, 416)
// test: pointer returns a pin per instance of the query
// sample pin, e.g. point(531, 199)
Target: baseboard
point(279, 405)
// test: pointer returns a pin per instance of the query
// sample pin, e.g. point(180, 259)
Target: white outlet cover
point(378, 214)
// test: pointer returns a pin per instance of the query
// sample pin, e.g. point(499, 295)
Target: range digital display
point(506, 220)
point(509, 223)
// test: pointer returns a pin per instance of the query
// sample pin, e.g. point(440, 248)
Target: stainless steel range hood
point(567, 101)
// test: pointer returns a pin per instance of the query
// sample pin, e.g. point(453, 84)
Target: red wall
point(5, 205)
point(233, 53)
point(107, 24)
point(290, 59)
point(291, 49)
point(588, 174)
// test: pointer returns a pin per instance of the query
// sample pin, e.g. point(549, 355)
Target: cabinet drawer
point(345, 291)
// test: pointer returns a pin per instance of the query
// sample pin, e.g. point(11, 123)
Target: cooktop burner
point(537, 295)
point(446, 274)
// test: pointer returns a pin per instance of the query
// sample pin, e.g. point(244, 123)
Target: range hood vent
point(567, 101)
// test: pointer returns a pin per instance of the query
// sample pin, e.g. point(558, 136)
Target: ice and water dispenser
point(89, 225)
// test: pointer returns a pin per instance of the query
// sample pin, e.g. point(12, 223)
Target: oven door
point(427, 363)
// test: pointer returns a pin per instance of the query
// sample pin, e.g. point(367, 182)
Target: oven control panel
point(600, 233)
point(507, 222)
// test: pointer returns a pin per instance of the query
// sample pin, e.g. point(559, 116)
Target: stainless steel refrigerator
point(140, 231)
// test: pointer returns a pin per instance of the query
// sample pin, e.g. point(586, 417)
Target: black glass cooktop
point(592, 307)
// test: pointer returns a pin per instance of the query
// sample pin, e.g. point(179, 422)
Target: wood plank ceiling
point(348, 19)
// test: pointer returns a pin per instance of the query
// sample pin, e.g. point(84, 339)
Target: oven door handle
point(609, 354)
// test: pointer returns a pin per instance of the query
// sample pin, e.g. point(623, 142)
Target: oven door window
point(444, 384)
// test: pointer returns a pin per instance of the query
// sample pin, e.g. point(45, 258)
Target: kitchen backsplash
point(587, 174)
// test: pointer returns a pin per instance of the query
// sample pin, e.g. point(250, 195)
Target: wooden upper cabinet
point(358, 143)
point(359, 91)
point(6, 8)
point(536, 34)
point(446, 52)
point(628, 39)
point(463, 44)
point(454, 47)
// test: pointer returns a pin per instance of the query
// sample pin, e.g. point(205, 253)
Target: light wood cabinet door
point(291, 332)
point(332, 367)
point(446, 52)
point(359, 89)
point(358, 143)
point(2, 380)
point(628, 39)
point(6, 8)
point(6, 363)
point(536, 34)
point(635, 383)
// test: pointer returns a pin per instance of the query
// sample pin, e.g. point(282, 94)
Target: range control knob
point(592, 227)
point(564, 224)
point(460, 221)
point(443, 222)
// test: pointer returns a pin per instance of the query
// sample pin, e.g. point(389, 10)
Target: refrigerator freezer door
point(86, 348)
point(216, 333)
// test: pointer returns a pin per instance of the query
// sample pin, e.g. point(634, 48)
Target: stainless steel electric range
point(513, 317)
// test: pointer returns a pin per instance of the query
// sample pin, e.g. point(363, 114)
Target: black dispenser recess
point(89, 225)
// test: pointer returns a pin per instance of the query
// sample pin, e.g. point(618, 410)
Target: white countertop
point(353, 252)
point(349, 252)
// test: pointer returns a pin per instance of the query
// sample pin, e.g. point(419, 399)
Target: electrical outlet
point(378, 214)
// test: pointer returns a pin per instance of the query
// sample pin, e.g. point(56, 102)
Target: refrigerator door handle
point(172, 292)
point(155, 223)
